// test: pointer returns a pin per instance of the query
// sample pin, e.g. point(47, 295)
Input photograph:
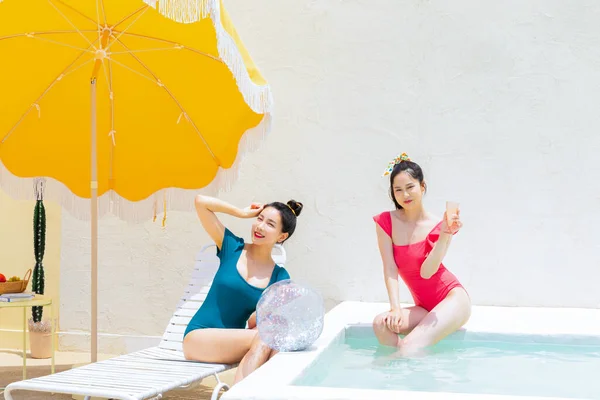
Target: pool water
point(471, 363)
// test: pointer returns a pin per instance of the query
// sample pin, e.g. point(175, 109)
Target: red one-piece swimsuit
point(426, 293)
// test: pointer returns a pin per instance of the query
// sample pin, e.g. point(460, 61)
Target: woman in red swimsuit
point(413, 243)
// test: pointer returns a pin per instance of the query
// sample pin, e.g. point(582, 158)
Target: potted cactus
point(40, 332)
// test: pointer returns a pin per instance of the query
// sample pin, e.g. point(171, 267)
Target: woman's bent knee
point(260, 347)
point(193, 351)
point(463, 303)
point(217, 346)
point(379, 321)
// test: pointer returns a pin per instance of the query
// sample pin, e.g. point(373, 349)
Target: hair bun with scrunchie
point(295, 206)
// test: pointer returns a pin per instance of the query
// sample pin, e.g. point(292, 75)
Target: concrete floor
point(11, 370)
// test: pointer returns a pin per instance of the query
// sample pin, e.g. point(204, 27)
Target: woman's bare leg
point(411, 316)
point(223, 346)
point(258, 354)
point(445, 318)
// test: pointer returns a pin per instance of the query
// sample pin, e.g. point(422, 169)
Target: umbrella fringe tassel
point(258, 97)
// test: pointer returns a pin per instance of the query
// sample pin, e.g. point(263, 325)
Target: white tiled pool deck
point(273, 380)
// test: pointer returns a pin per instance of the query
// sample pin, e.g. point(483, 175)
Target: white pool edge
point(273, 380)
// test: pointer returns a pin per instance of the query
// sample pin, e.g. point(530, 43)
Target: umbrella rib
point(35, 103)
point(147, 50)
point(175, 44)
point(104, 12)
point(18, 35)
point(129, 16)
point(129, 26)
point(98, 23)
point(76, 10)
point(62, 44)
point(133, 70)
point(175, 100)
point(77, 68)
point(112, 118)
point(111, 99)
point(71, 23)
point(106, 76)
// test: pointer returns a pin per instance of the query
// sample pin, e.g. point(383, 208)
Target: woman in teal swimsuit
point(217, 333)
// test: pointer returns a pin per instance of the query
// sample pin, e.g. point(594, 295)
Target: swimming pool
point(464, 363)
point(518, 353)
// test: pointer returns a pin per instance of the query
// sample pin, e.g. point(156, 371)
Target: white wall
point(497, 101)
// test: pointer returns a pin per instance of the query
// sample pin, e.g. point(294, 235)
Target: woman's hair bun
point(296, 207)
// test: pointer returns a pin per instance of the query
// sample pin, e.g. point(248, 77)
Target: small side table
point(38, 300)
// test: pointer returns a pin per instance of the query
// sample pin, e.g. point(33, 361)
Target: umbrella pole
point(94, 227)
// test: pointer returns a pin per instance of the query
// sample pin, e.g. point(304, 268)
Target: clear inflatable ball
point(290, 316)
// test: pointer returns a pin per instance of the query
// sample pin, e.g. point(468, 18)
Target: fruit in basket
point(2, 278)
point(14, 279)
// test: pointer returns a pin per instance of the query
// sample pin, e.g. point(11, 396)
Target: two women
point(412, 243)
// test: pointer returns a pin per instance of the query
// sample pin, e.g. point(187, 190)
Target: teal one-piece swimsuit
point(231, 300)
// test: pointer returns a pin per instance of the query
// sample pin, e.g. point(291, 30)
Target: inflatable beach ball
point(290, 316)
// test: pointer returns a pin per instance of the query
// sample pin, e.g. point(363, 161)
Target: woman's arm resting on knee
point(390, 273)
point(390, 270)
point(206, 207)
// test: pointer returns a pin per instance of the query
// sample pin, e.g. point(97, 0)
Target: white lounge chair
point(149, 373)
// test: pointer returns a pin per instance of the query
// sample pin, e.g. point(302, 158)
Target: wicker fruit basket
point(16, 287)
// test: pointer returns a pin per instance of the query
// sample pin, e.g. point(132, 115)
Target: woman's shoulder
point(432, 223)
point(229, 235)
point(383, 214)
point(383, 217)
point(433, 219)
point(282, 273)
point(384, 220)
point(434, 228)
point(231, 244)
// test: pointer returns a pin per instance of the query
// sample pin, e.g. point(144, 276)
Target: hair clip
point(394, 162)
point(293, 212)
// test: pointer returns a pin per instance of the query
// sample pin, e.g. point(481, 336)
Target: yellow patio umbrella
point(124, 106)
